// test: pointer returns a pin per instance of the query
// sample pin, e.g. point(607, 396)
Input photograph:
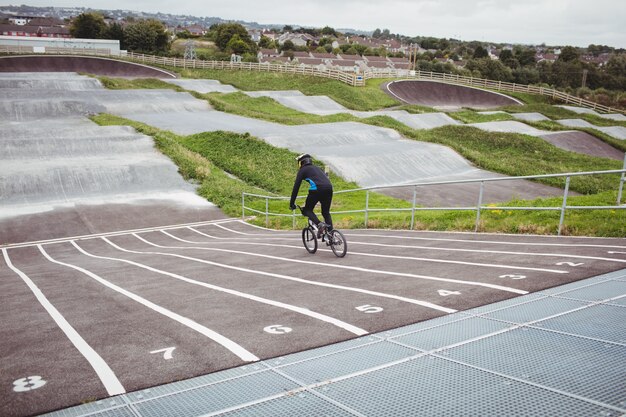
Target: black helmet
point(304, 159)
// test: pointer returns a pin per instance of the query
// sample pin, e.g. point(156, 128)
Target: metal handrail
point(478, 207)
point(348, 77)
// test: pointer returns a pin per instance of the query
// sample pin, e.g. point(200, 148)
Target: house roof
point(377, 64)
point(344, 62)
point(269, 52)
point(271, 59)
point(46, 21)
point(33, 29)
point(311, 61)
point(323, 55)
point(375, 58)
point(302, 54)
point(355, 57)
point(394, 60)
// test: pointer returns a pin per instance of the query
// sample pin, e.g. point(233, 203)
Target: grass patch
point(370, 97)
point(226, 164)
point(268, 109)
point(470, 116)
point(137, 83)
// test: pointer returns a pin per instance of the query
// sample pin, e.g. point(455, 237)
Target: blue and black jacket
point(317, 179)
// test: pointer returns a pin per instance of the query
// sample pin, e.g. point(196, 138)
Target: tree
point(287, 46)
point(327, 30)
point(116, 31)
point(526, 57)
point(376, 33)
point(237, 45)
point(88, 26)
point(287, 28)
point(265, 42)
point(568, 54)
point(480, 52)
point(148, 36)
point(224, 32)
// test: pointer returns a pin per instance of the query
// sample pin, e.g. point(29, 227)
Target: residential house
point(321, 55)
point(34, 31)
point(196, 30)
point(298, 39)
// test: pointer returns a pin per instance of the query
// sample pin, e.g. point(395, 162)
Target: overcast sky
point(554, 22)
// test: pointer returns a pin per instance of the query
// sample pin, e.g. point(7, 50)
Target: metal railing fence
point(478, 208)
point(347, 77)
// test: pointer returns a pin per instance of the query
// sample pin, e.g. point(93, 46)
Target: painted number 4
point(369, 309)
point(445, 293)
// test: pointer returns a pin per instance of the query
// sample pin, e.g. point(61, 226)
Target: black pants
point(325, 197)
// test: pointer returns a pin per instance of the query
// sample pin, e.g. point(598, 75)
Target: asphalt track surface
point(93, 317)
point(96, 313)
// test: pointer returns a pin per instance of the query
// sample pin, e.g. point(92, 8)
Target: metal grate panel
point(324, 350)
point(452, 333)
point(193, 383)
point(216, 397)
point(584, 367)
point(597, 292)
point(88, 409)
point(303, 404)
point(600, 321)
point(619, 302)
point(536, 310)
point(429, 386)
point(439, 321)
point(340, 364)
point(503, 304)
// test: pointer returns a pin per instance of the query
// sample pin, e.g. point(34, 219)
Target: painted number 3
point(28, 384)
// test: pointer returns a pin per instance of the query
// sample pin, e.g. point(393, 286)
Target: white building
point(43, 45)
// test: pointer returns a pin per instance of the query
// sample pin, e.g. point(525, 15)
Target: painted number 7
point(167, 352)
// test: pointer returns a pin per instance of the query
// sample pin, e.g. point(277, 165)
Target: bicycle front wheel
point(338, 243)
point(309, 239)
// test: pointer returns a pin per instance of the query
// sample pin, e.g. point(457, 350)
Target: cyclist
point(320, 190)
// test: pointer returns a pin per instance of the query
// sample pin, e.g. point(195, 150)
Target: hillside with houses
point(582, 71)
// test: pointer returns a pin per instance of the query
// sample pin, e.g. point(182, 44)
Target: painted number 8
point(28, 384)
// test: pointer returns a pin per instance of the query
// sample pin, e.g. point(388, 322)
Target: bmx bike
point(333, 238)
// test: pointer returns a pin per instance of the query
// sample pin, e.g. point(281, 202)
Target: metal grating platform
point(558, 352)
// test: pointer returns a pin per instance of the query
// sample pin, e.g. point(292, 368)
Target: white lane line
point(238, 239)
point(353, 268)
point(612, 251)
point(558, 255)
point(116, 233)
point(227, 343)
point(374, 255)
point(574, 245)
point(230, 230)
point(102, 369)
point(341, 324)
point(285, 277)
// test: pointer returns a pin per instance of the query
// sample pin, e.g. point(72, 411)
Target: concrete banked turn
point(63, 174)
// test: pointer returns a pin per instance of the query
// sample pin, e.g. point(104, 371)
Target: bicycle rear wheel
point(309, 239)
point(338, 243)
